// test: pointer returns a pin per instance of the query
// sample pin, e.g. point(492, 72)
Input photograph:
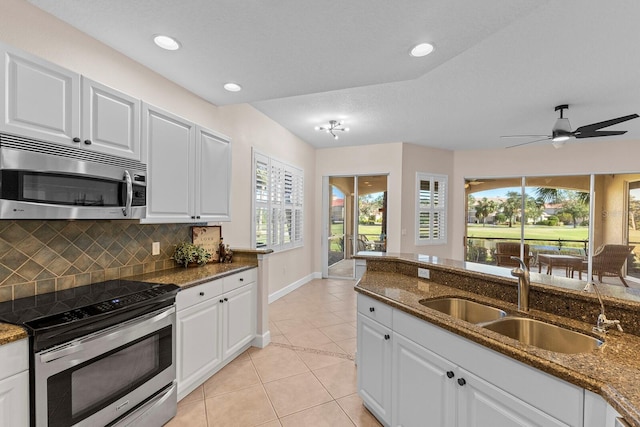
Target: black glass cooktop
point(83, 302)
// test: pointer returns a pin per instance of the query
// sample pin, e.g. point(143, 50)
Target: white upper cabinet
point(171, 145)
point(40, 100)
point(213, 176)
point(189, 169)
point(110, 120)
point(47, 102)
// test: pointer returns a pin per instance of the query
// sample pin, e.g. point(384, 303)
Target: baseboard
point(261, 341)
point(292, 287)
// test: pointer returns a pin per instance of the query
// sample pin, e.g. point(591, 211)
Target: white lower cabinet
point(442, 380)
point(14, 384)
point(198, 344)
point(374, 367)
point(423, 383)
point(481, 404)
point(216, 321)
point(239, 311)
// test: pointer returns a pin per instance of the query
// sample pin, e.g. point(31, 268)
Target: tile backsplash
point(42, 256)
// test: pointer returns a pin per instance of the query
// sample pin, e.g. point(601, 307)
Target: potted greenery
point(187, 253)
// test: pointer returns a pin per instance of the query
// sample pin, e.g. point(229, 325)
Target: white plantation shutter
point(431, 209)
point(278, 203)
point(262, 224)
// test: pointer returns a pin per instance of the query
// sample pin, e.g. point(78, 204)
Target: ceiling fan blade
point(524, 136)
point(592, 128)
point(598, 133)
point(546, 138)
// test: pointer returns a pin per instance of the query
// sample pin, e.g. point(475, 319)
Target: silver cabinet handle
point(126, 211)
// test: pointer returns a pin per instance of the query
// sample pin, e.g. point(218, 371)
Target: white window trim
point(286, 194)
point(440, 210)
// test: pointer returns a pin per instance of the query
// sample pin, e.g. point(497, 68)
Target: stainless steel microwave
point(42, 180)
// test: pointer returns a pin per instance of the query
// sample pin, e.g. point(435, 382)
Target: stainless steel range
point(102, 354)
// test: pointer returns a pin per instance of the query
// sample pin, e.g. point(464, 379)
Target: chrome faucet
point(522, 273)
point(602, 323)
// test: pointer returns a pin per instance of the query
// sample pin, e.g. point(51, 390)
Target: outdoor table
point(569, 262)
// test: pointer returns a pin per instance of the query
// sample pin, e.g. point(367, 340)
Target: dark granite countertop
point(611, 371)
point(188, 277)
point(183, 277)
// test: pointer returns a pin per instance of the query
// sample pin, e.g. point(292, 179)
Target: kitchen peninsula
point(431, 362)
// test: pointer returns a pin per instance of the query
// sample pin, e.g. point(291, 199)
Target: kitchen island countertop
point(611, 371)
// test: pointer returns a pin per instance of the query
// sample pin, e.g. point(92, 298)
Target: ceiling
point(499, 67)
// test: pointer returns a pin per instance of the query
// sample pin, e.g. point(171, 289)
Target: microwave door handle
point(126, 211)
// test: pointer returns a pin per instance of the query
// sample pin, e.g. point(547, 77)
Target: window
point(277, 204)
point(431, 209)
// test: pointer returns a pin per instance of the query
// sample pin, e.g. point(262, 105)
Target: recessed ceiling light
point(232, 87)
point(422, 49)
point(166, 42)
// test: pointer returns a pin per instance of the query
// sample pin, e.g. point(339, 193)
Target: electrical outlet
point(155, 248)
point(424, 273)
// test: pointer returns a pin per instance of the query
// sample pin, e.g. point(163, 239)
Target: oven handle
point(78, 345)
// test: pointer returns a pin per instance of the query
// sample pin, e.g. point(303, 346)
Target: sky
point(498, 192)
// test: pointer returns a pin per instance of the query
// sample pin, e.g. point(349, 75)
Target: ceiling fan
point(561, 131)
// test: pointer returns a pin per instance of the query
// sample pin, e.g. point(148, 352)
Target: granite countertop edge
point(601, 371)
point(183, 277)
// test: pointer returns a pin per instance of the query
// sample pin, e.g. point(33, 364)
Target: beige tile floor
point(306, 377)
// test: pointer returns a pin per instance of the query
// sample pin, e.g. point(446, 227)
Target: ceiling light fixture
point(333, 126)
point(166, 42)
point(422, 49)
point(232, 87)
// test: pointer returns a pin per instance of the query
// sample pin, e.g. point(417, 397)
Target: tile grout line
point(314, 351)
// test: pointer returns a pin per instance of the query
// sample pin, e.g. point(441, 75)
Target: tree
point(511, 206)
point(484, 208)
point(575, 207)
point(534, 208)
point(556, 195)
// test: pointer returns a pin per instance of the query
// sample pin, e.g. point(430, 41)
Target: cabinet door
point(239, 319)
point(110, 120)
point(198, 351)
point(39, 99)
point(213, 176)
point(423, 386)
point(482, 404)
point(14, 400)
point(374, 367)
point(170, 143)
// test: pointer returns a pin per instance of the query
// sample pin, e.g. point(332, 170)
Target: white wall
point(416, 158)
point(584, 157)
point(26, 27)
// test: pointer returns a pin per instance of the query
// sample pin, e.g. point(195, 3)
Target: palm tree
point(484, 208)
point(557, 195)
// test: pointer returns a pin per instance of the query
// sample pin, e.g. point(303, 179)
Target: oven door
point(99, 378)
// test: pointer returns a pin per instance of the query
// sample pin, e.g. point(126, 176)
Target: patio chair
point(505, 250)
point(608, 261)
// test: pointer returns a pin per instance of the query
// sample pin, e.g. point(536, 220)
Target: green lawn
point(530, 232)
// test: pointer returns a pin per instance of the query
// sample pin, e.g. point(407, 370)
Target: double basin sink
point(528, 331)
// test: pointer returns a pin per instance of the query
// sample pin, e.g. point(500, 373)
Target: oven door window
point(61, 189)
point(81, 391)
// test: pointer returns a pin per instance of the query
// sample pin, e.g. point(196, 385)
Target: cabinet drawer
point(232, 282)
point(190, 296)
point(375, 310)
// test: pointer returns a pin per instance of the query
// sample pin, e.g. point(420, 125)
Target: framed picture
point(209, 238)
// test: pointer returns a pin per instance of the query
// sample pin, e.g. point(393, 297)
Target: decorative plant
point(187, 252)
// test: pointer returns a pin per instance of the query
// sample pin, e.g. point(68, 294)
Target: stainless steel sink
point(463, 309)
point(544, 335)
